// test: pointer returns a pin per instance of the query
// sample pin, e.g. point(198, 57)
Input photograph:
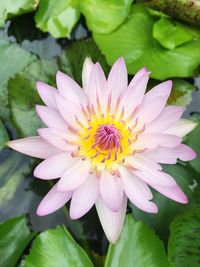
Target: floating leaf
point(15, 236)
point(138, 246)
point(171, 34)
point(184, 241)
point(57, 17)
point(3, 135)
point(10, 8)
point(105, 16)
point(56, 248)
point(134, 41)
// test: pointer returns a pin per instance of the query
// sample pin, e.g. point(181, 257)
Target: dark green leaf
point(3, 135)
point(56, 248)
point(185, 177)
point(13, 59)
point(181, 94)
point(171, 34)
point(193, 141)
point(15, 236)
point(184, 241)
point(138, 246)
point(57, 17)
point(23, 95)
point(105, 16)
point(10, 8)
point(134, 41)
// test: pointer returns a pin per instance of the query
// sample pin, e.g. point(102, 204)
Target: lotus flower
point(106, 142)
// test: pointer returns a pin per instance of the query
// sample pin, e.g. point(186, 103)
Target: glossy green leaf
point(134, 41)
point(192, 140)
point(181, 94)
point(171, 34)
point(57, 17)
point(138, 246)
point(15, 236)
point(56, 248)
point(13, 59)
point(185, 176)
point(23, 95)
point(103, 16)
point(184, 241)
point(3, 135)
point(11, 8)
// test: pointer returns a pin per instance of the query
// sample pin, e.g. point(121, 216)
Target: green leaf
point(10, 8)
point(171, 34)
point(56, 248)
point(72, 58)
point(134, 41)
point(13, 59)
point(23, 95)
point(192, 140)
point(14, 166)
point(184, 176)
point(105, 16)
point(184, 241)
point(181, 94)
point(3, 135)
point(57, 17)
point(138, 246)
point(15, 236)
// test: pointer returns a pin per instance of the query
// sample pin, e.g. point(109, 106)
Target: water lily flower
point(106, 143)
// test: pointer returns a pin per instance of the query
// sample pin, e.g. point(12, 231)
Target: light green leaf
point(138, 246)
point(11, 8)
point(57, 17)
point(171, 34)
point(13, 59)
point(181, 94)
point(184, 241)
point(192, 140)
point(3, 135)
point(15, 236)
point(103, 16)
point(56, 248)
point(134, 41)
point(23, 95)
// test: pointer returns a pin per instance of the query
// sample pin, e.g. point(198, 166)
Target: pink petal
point(160, 90)
point(167, 117)
point(74, 176)
point(97, 88)
point(53, 201)
point(135, 94)
point(54, 167)
point(155, 177)
point(117, 80)
point(111, 221)
point(34, 146)
point(87, 68)
point(52, 137)
point(70, 89)
point(84, 197)
point(151, 141)
point(139, 161)
point(47, 94)
point(137, 76)
point(172, 192)
point(70, 112)
point(111, 190)
point(51, 117)
point(185, 153)
point(182, 127)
